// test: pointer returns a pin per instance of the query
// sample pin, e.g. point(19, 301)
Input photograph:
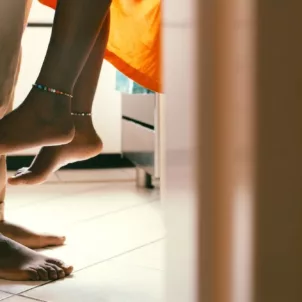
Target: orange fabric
point(134, 41)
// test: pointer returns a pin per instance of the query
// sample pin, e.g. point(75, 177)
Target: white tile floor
point(115, 237)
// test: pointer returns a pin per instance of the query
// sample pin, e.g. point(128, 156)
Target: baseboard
point(102, 161)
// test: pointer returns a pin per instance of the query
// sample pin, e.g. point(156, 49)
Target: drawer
point(138, 145)
point(139, 107)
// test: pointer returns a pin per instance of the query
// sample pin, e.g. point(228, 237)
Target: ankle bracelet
point(81, 113)
point(51, 90)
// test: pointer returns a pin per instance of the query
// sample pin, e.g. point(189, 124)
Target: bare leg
point(16, 261)
point(46, 116)
point(15, 232)
point(10, 43)
point(86, 143)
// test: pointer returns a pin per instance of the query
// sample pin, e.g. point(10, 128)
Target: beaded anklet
point(51, 90)
point(81, 113)
point(47, 89)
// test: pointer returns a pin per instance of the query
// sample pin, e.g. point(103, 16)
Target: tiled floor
point(115, 237)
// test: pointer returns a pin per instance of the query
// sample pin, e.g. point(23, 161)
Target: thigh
point(13, 19)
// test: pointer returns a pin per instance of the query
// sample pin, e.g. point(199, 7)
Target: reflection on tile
point(93, 175)
point(150, 256)
point(108, 282)
point(20, 196)
point(110, 236)
point(77, 202)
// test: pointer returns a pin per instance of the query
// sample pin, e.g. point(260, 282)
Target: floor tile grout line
point(51, 199)
point(96, 263)
point(59, 179)
point(10, 295)
point(96, 181)
point(85, 180)
point(83, 221)
point(122, 254)
point(19, 295)
point(128, 179)
point(69, 226)
point(30, 298)
point(3, 291)
point(48, 200)
point(112, 212)
point(56, 198)
point(32, 288)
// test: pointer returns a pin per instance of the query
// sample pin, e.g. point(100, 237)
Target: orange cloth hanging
point(134, 45)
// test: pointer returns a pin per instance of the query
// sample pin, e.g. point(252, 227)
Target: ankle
point(82, 122)
point(53, 105)
point(59, 83)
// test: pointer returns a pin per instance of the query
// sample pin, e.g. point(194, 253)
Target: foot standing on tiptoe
point(46, 116)
point(86, 143)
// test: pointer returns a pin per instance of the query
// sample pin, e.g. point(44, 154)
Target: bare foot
point(85, 144)
point(19, 263)
point(29, 238)
point(43, 119)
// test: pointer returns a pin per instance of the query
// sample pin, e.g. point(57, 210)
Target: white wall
point(180, 185)
point(40, 13)
point(107, 105)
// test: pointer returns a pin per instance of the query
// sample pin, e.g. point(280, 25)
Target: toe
point(52, 272)
point(66, 268)
point(21, 178)
point(43, 274)
point(33, 274)
point(59, 270)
